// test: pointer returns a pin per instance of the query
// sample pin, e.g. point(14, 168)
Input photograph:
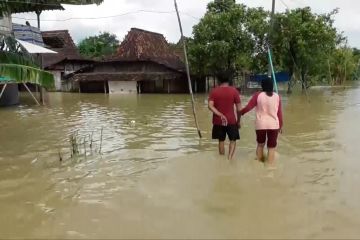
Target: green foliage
point(102, 45)
point(356, 59)
point(17, 66)
point(343, 66)
point(232, 38)
point(226, 39)
point(304, 41)
point(26, 74)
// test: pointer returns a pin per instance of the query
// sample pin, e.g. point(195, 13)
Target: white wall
point(57, 77)
point(123, 87)
point(5, 25)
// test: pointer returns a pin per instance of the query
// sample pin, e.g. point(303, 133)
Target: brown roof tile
point(62, 43)
point(142, 45)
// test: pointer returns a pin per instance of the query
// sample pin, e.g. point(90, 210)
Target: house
point(143, 63)
point(66, 61)
point(254, 81)
point(28, 34)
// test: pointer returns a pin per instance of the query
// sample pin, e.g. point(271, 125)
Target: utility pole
point(187, 70)
point(271, 71)
point(41, 90)
point(270, 34)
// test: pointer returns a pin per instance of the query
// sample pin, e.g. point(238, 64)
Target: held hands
point(238, 124)
point(224, 120)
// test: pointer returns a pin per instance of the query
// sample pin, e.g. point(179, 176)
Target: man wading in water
point(222, 100)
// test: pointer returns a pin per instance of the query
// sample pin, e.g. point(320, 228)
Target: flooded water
point(155, 179)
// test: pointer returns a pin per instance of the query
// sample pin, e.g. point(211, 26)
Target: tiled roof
point(142, 45)
point(62, 43)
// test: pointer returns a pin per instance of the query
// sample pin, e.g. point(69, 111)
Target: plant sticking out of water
point(74, 141)
point(91, 140)
point(101, 139)
point(83, 145)
point(60, 156)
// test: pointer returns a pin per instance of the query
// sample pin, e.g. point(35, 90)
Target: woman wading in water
point(269, 120)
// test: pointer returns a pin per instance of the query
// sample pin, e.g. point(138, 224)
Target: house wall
point(131, 67)
point(179, 85)
point(122, 87)
point(10, 96)
point(5, 25)
point(171, 82)
point(93, 87)
point(58, 82)
point(62, 69)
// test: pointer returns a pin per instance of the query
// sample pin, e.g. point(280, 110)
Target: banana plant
point(16, 65)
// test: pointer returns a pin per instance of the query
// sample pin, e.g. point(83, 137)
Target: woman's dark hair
point(268, 86)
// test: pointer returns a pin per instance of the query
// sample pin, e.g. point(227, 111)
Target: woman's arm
point(280, 115)
point(251, 105)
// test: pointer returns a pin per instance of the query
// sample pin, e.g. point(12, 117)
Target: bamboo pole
point(37, 102)
point(271, 30)
point(272, 70)
point(3, 90)
point(42, 95)
point(187, 70)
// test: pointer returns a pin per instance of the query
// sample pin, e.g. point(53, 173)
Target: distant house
point(254, 81)
point(28, 33)
point(144, 63)
point(66, 61)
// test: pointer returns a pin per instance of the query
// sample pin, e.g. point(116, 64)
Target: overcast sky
point(348, 20)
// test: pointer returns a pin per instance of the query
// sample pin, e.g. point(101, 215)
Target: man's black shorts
point(219, 132)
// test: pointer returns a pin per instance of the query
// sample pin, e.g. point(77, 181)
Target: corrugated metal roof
point(28, 34)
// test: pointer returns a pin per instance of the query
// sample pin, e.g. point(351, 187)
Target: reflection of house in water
point(144, 63)
point(68, 59)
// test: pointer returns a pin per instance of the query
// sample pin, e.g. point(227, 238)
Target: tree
point(304, 41)
point(232, 37)
point(222, 42)
point(99, 46)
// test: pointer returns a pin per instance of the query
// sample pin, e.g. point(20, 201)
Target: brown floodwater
point(155, 179)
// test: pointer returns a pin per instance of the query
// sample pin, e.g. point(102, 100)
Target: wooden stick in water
point(101, 138)
point(37, 102)
point(187, 70)
point(85, 152)
point(3, 90)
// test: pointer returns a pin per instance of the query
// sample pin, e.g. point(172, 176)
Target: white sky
point(348, 20)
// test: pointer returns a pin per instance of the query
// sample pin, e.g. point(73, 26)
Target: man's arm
point(214, 110)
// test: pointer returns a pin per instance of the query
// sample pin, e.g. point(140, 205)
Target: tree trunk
point(303, 81)
point(290, 85)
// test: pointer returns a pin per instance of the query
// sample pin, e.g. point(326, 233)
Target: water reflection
point(155, 175)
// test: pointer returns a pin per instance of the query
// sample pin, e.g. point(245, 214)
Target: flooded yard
point(155, 179)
